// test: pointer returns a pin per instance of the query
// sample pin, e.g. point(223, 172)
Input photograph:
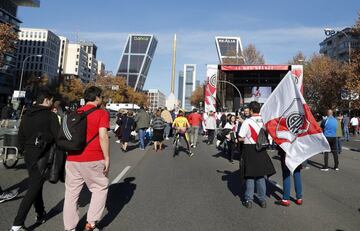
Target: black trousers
point(33, 196)
point(231, 150)
point(332, 143)
point(211, 135)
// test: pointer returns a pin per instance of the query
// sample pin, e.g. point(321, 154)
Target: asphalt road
point(157, 191)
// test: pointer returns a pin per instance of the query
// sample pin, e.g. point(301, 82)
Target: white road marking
point(122, 173)
point(346, 148)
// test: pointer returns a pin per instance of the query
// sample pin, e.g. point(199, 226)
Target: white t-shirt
point(250, 129)
point(354, 121)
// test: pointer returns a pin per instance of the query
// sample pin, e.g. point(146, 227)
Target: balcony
point(30, 3)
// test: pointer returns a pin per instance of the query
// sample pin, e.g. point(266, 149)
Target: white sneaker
point(118, 141)
point(218, 143)
point(167, 138)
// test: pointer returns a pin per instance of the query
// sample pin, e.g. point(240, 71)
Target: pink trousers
point(90, 173)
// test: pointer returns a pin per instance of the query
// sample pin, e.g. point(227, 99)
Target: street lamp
point(237, 89)
point(22, 69)
point(331, 32)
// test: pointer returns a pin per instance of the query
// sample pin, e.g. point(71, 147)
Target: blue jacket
point(330, 125)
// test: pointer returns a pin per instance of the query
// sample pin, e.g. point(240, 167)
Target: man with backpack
point(37, 122)
point(256, 162)
point(142, 120)
point(90, 165)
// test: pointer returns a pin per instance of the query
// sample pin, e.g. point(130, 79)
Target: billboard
point(228, 48)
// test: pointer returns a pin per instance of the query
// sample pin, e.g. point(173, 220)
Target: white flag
point(289, 122)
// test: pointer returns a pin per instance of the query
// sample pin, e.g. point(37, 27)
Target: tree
point(253, 56)
point(197, 96)
point(323, 80)
point(353, 82)
point(298, 59)
point(8, 37)
point(72, 89)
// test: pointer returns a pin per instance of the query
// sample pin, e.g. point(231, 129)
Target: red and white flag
point(290, 123)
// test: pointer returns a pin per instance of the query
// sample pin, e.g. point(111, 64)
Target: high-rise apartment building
point(339, 44)
point(38, 54)
point(136, 59)
point(76, 62)
point(8, 77)
point(91, 49)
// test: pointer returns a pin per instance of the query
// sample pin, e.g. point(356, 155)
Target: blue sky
point(278, 28)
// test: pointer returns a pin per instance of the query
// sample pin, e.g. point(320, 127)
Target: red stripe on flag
point(254, 134)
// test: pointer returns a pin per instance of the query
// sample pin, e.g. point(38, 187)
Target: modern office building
point(336, 45)
point(188, 85)
point(136, 59)
point(91, 49)
point(8, 14)
point(76, 62)
point(229, 50)
point(156, 99)
point(38, 54)
point(181, 86)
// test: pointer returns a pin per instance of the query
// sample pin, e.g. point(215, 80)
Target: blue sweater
point(330, 126)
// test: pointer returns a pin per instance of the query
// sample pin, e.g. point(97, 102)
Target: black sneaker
point(41, 218)
point(263, 204)
point(248, 204)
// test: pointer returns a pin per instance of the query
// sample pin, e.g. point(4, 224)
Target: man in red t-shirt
point(195, 120)
point(90, 166)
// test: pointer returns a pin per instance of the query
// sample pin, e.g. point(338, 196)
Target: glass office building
point(189, 83)
point(136, 59)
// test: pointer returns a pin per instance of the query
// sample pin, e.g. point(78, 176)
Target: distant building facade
point(8, 71)
point(156, 99)
point(136, 59)
point(181, 86)
point(91, 49)
point(38, 42)
point(101, 68)
point(336, 46)
point(76, 62)
point(188, 85)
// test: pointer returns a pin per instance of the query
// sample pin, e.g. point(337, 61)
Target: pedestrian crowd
point(47, 132)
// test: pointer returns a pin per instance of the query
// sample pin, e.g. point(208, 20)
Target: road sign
point(19, 94)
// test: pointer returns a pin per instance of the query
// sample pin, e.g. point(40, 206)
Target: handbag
point(51, 164)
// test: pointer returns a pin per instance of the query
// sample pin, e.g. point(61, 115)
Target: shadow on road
point(118, 196)
point(234, 181)
point(315, 164)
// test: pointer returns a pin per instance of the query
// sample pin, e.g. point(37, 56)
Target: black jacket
point(37, 120)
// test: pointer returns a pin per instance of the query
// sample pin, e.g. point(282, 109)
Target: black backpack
point(72, 134)
point(262, 142)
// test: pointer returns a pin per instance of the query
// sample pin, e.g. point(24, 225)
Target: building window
point(76, 69)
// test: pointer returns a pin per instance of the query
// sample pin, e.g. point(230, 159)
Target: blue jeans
point(287, 182)
point(142, 132)
point(260, 188)
point(346, 133)
point(167, 130)
point(338, 144)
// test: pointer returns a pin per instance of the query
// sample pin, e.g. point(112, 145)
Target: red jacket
point(195, 119)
